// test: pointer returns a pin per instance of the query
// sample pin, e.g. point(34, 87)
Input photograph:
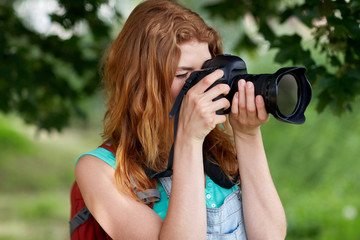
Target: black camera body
point(286, 93)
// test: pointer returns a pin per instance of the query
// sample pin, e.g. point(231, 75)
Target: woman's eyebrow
point(186, 68)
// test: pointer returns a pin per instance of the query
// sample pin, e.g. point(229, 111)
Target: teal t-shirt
point(214, 194)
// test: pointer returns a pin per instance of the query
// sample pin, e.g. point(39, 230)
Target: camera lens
point(287, 95)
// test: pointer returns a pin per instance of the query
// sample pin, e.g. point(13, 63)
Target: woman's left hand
point(248, 112)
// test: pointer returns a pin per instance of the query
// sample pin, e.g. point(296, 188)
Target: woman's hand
point(198, 110)
point(248, 112)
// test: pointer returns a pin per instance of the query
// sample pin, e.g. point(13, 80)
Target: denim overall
point(223, 223)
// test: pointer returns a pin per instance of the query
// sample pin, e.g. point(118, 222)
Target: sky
point(36, 14)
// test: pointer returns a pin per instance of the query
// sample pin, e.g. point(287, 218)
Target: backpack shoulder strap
point(107, 145)
point(81, 217)
point(150, 195)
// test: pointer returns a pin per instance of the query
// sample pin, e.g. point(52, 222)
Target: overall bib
point(223, 223)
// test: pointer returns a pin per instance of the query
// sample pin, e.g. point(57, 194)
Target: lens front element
point(287, 94)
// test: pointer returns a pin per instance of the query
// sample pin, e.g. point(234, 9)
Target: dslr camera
point(287, 92)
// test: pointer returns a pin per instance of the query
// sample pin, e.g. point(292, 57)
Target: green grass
point(34, 215)
point(314, 166)
point(36, 173)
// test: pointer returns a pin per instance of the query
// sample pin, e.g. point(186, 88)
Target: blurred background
point(51, 105)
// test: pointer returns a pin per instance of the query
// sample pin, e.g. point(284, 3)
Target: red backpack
point(83, 226)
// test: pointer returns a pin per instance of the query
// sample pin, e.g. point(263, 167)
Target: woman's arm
point(197, 118)
point(119, 215)
point(186, 215)
point(263, 212)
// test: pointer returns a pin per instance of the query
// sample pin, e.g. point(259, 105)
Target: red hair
point(139, 68)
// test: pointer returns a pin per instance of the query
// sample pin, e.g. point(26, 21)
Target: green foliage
point(335, 31)
point(10, 139)
point(44, 77)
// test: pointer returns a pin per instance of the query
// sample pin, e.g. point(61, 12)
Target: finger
point(207, 81)
point(212, 120)
point(235, 104)
point(220, 119)
point(261, 110)
point(250, 102)
point(242, 100)
point(216, 91)
point(221, 103)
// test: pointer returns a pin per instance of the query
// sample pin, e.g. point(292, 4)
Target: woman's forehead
point(193, 55)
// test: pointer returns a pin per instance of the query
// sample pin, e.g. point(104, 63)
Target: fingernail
point(242, 82)
point(249, 84)
point(257, 99)
point(221, 72)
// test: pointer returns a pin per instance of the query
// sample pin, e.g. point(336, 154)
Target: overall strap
point(149, 195)
point(166, 183)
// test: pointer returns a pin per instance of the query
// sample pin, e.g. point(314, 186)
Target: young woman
point(159, 46)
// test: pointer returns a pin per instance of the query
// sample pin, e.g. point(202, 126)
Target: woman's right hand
point(198, 110)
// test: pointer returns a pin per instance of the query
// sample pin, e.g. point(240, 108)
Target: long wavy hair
point(138, 70)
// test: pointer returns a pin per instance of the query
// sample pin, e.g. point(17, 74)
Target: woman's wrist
point(248, 135)
point(185, 140)
point(250, 149)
